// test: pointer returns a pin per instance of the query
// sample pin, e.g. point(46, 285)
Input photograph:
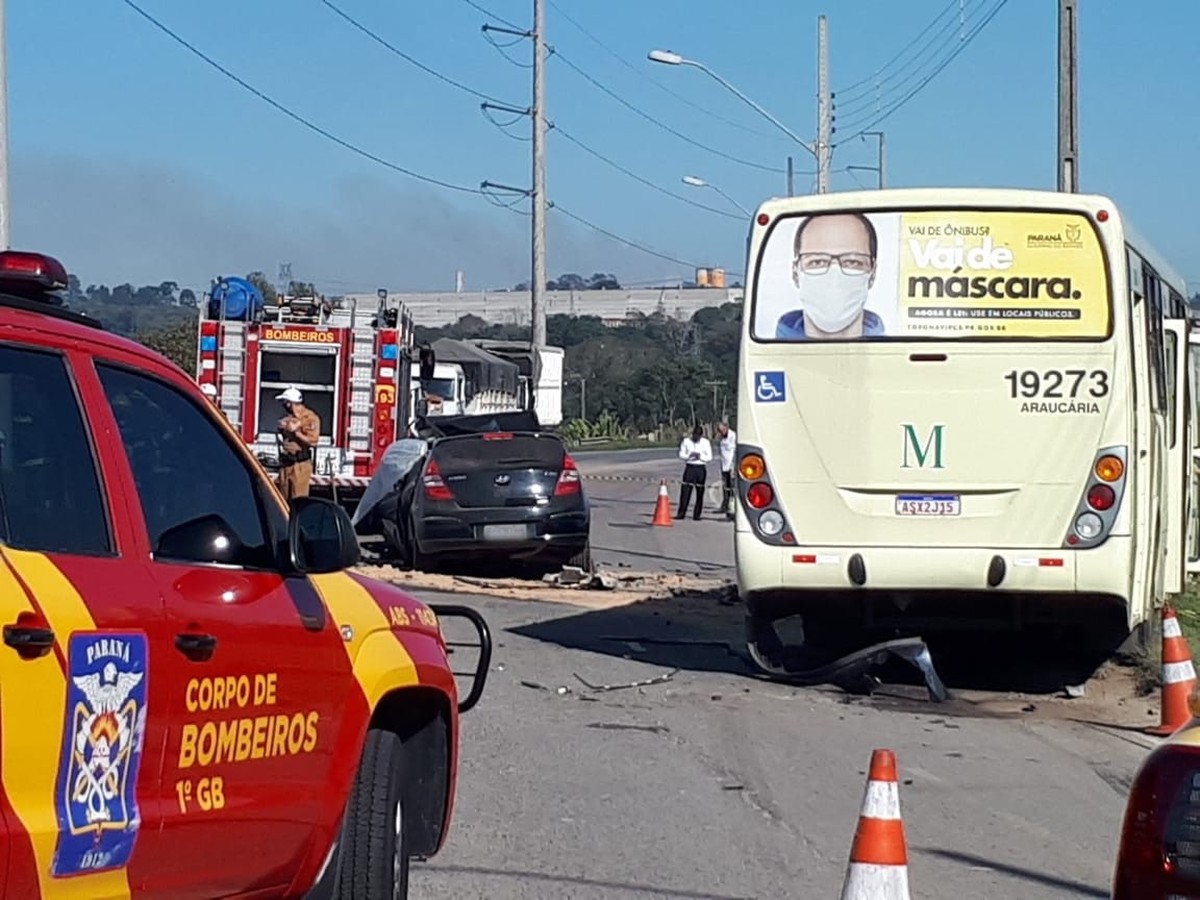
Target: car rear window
point(461, 455)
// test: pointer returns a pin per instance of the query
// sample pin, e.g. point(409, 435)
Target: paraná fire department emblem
point(103, 733)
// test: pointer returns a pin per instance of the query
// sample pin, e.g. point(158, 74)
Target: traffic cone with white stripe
point(1178, 675)
point(662, 508)
point(878, 867)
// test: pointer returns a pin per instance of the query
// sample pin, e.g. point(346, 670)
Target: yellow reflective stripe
point(31, 722)
point(382, 667)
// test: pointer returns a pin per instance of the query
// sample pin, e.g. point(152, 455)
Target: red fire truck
point(353, 366)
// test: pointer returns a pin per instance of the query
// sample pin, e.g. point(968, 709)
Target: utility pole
point(1068, 96)
point(4, 216)
point(882, 162)
point(538, 292)
point(824, 112)
point(790, 181)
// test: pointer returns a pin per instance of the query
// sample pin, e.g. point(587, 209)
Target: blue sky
point(134, 160)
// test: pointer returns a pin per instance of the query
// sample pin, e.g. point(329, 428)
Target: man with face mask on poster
point(833, 265)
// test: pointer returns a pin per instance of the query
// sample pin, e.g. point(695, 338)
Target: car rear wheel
point(582, 559)
point(374, 857)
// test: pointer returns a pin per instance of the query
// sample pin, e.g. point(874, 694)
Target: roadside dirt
point(629, 587)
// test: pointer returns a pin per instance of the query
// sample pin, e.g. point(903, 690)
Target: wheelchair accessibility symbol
point(770, 387)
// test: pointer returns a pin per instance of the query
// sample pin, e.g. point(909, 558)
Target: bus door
point(1193, 460)
point(1177, 480)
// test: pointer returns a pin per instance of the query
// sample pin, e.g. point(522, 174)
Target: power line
point(404, 56)
point(353, 148)
point(944, 38)
point(662, 87)
point(491, 15)
point(503, 126)
point(657, 123)
point(873, 79)
point(638, 178)
point(966, 42)
point(616, 237)
point(365, 154)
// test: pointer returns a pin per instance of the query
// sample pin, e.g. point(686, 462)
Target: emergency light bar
point(19, 270)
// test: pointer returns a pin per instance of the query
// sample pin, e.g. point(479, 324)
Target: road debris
point(657, 679)
point(852, 672)
point(619, 726)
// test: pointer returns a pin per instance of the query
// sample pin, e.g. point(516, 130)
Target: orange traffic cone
point(1178, 675)
point(878, 867)
point(662, 509)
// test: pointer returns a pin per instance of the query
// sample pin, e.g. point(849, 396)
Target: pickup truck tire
point(374, 855)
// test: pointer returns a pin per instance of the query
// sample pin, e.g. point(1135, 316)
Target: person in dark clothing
point(696, 453)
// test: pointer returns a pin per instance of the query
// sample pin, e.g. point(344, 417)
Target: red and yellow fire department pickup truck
point(197, 697)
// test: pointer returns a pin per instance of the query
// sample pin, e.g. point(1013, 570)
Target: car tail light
point(497, 436)
point(568, 478)
point(760, 495)
point(435, 488)
point(1101, 501)
point(1159, 854)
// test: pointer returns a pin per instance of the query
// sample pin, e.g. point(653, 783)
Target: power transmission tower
point(824, 108)
point(284, 281)
point(1068, 96)
point(537, 194)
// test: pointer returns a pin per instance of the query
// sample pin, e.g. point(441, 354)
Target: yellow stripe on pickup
point(32, 697)
point(384, 666)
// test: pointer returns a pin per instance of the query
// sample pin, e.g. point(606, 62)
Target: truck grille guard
point(483, 664)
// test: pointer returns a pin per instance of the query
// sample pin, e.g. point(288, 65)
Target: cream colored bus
point(960, 408)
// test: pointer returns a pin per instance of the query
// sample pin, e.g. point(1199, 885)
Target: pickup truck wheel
point(374, 858)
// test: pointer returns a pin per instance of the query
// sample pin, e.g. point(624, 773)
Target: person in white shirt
point(728, 447)
point(696, 452)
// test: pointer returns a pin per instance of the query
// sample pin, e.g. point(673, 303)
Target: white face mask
point(833, 300)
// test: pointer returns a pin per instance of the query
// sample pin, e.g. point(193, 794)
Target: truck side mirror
point(427, 361)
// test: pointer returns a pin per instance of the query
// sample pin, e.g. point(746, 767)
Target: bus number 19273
point(1051, 384)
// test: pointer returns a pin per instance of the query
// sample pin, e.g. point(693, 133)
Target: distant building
point(437, 309)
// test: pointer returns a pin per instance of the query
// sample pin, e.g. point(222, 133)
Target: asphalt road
point(623, 488)
point(716, 785)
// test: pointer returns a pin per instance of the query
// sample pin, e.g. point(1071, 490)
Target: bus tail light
point(760, 500)
point(1101, 501)
point(1159, 854)
point(759, 495)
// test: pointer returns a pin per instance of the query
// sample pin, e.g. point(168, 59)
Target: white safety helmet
point(209, 391)
point(291, 395)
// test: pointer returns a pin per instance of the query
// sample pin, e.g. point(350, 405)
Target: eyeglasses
point(819, 263)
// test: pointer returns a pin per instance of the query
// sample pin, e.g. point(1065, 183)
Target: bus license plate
point(505, 532)
point(928, 505)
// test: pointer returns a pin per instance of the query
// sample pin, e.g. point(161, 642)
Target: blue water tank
point(234, 298)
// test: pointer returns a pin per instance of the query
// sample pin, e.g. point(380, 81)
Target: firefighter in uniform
point(299, 431)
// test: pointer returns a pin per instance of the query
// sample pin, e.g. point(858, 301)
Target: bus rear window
point(952, 275)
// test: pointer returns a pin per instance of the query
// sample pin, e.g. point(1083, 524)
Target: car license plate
point(505, 532)
point(928, 505)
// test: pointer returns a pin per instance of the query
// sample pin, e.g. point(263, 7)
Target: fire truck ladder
point(362, 381)
point(231, 369)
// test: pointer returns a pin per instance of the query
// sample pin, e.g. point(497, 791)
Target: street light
point(670, 58)
point(701, 183)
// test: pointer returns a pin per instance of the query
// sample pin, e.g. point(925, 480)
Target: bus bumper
point(816, 576)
